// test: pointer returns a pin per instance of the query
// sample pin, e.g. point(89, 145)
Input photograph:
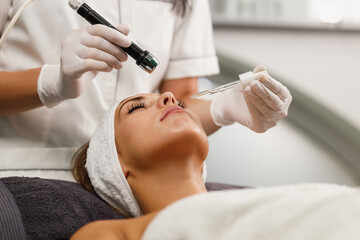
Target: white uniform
point(49, 137)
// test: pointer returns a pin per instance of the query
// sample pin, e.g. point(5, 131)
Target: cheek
point(138, 135)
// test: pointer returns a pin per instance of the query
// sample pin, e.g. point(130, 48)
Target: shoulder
point(120, 229)
point(134, 228)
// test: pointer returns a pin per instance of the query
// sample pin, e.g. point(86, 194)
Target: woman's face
point(150, 128)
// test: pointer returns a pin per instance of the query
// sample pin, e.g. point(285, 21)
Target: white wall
point(324, 66)
point(283, 155)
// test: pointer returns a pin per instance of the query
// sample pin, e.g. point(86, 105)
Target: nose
point(166, 99)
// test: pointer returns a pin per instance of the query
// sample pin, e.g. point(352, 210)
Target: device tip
point(148, 63)
point(74, 4)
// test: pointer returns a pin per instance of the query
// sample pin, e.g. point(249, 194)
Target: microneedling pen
point(144, 59)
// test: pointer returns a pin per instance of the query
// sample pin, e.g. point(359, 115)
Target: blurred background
point(313, 48)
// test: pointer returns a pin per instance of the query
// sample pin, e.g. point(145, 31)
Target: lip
point(171, 110)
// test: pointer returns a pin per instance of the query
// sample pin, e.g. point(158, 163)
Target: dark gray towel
point(54, 209)
point(11, 225)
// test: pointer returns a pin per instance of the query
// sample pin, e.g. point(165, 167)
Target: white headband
point(105, 172)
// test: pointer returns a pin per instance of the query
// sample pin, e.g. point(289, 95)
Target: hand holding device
point(259, 106)
point(144, 59)
point(84, 53)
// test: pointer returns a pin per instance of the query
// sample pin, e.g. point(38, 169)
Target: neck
point(166, 183)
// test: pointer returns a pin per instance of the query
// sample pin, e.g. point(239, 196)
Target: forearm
point(18, 91)
point(202, 109)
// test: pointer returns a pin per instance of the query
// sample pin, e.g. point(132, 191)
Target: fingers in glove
point(259, 69)
point(258, 109)
point(96, 54)
point(109, 34)
point(89, 65)
point(124, 28)
point(255, 103)
point(106, 46)
point(275, 86)
point(270, 99)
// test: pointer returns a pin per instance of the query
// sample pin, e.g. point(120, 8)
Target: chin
point(179, 136)
point(179, 144)
point(189, 140)
point(185, 121)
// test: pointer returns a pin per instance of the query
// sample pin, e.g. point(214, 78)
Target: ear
point(123, 165)
point(125, 171)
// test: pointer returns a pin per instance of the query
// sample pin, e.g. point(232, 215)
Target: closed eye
point(182, 104)
point(139, 104)
point(135, 106)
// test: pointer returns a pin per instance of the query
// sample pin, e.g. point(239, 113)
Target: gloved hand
point(83, 54)
point(259, 106)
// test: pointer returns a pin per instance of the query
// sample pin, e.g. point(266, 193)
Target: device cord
point(13, 21)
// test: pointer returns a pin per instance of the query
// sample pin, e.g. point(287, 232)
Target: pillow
point(55, 209)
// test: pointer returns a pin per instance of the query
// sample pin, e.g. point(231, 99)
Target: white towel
point(105, 172)
point(301, 212)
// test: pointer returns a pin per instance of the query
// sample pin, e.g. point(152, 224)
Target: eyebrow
point(129, 100)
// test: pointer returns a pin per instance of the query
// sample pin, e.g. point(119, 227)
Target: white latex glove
point(259, 106)
point(83, 54)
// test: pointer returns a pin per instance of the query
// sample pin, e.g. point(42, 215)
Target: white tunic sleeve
point(4, 13)
point(193, 51)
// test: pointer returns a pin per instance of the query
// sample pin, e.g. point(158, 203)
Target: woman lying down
point(146, 159)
